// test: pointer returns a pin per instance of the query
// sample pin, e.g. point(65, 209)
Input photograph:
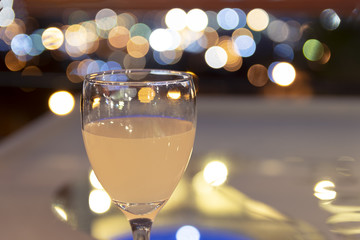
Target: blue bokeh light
point(228, 19)
point(242, 17)
point(37, 47)
point(21, 44)
point(245, 46)
point(284, 51)
point(206, 234)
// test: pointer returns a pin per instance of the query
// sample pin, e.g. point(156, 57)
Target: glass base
point(139, 208)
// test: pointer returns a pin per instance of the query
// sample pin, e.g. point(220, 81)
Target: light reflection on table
point(203, 200)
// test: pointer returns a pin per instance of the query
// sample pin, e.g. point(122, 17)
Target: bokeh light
point(242, 17)
point(283, 74)
point(13, 63)
point(313, 50)
point(21, 44)
point(324, 190)
point(106, 19)
point(215, 173)
point(61, 102)
point(196, 20)
point(209, 38)
point(278, 31)
point(164, 39)
point(329, 19)
point(99, 201)
point(212, 20)
point(131, 62)
point(175, 19)
point(245, 46)
point(146, 94)
point(7, 15)
point(138, 47)
point(37, 46)
point(31, 71)
point(234, 60)
point(72, 73)
point(52, 38)
point(119, 37)
point(60, 212)
point(257, 75)
point(216, 57)
point(228, 19)
point(284, 52)
point(76, 35)
point(257, 19)
point(140, 29)
point(187, 232)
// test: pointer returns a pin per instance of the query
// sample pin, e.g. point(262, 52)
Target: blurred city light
point(216, 57)
point(21, 44)
point(257, 19)
point(329, 19)
point(257, 75)
point(313, 50)
point(283, 74)
point(119, 36)
point(278, 31)
point(7, 15)
point(228, 19)
point(284, 52)
point(52, 38)
point(245, 46)
point(106, 19)
point(196, 20)
point(61, 102)
point(175, 19)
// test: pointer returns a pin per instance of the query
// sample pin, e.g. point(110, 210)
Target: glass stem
point(141, 228)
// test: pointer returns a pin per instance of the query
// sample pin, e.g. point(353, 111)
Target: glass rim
point(98, 77)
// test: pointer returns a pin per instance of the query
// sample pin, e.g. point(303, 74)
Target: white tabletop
point(281, 149)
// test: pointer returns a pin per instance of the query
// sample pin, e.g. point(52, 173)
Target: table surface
point(277, 150)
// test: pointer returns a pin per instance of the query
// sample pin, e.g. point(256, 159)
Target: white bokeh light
point(215, 173)
point(187, 232)
point(99, 201)
point(164, 39)
point(216, 57)
point(61, 102)
point(196, 20)
point(283, 74)
point(106, 19)
point(175, 19)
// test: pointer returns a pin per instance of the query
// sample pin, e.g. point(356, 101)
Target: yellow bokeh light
point(257, 19)
point(284, 74)
point(138, 47)
point(76, 35)
point(215, 173)
point(324, 190)
point(93, 179)
point(146, 94)
point(119, 37)
point(13, 63)
point(174, 94)
point(52, 38)
point(99, 201)
point(61, 102)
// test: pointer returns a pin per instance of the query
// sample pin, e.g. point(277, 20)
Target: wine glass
point(138, 129)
